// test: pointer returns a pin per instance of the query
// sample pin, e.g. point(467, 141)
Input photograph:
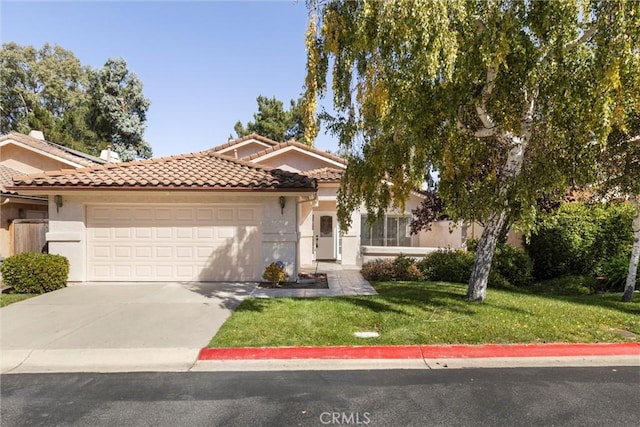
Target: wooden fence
point(28, 235)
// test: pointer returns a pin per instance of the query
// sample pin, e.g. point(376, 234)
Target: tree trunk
point(477, 289)
point(635, 255)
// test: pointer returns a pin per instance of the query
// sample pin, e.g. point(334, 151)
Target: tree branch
point(478, 133)
point(586, 36)
point(481, 106)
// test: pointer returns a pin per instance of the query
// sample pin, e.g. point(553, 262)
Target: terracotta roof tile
point(60, 151)
point(6, 177)
point(237, 141)
point(294, 143)
point(205, 170)
point(324, 174)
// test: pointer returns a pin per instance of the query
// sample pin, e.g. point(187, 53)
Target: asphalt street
point(462, 397)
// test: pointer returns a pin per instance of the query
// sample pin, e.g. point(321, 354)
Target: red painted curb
point(530, 350)
point(421, 352)
point(337, 352)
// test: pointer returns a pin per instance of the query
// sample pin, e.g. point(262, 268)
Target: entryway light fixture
point(57, 199)
point(281, 200)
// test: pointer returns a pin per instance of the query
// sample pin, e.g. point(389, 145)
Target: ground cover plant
point(430, 313)
point(6, 299)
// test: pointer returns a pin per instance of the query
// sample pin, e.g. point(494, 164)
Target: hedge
point(35, 273)
point(577, 238)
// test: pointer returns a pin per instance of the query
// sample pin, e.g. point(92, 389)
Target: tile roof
point(324, 174)
point(204, 170)
point(296, 144)
point(6, 178)
point(60, 151)
point(237, 141)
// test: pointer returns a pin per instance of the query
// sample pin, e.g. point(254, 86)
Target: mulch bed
point(305, 281)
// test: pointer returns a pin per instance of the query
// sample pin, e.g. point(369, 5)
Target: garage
point(173, 243)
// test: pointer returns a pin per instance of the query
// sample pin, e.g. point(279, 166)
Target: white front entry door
point(325, 231)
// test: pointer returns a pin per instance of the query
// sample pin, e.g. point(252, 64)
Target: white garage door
point(185, 243)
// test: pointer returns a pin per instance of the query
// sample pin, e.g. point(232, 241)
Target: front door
point(325, 234)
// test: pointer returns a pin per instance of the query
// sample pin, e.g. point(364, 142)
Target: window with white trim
point(392, 230)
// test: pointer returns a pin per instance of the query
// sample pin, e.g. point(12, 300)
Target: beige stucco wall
point(67, 235)
point(244, 150)
point(28, 161)
point(297, 161)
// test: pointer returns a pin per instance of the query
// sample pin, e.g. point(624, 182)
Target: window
point(391, 231)
point(326, 226)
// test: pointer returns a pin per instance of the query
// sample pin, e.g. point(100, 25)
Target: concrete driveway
point(106, 327)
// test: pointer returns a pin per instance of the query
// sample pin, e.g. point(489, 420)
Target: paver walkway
point(342, 280)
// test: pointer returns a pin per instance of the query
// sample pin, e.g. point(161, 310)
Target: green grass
point(429, 313)
point(6, 299)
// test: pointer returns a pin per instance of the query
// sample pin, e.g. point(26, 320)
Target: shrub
point(614, 272)
point(274, 273)
point(447, 266)
point(567, 285)
point(378, 270)
point(576, 237)
point(498, 281)
point(404, 268)
point(512, 264)
point(35, 273)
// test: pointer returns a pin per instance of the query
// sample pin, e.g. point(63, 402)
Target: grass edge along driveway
point(409, 313)
point(6, 299)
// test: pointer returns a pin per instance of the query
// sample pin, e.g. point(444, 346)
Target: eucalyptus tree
point(505, 98)
point(118, 109)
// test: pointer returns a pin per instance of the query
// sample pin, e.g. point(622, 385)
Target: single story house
point(27, 154)
point(217, 215)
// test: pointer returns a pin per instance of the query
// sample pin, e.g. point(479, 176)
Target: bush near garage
point(35, 273)
point(275, 274)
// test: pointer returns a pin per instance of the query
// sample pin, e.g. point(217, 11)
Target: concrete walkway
point(343, 280)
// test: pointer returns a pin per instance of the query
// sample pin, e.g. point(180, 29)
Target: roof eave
point(52, 189)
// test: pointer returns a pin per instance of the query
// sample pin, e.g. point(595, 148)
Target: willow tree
point(504, 98)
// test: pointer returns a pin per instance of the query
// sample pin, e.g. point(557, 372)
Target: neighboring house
point(26, 154)
point(221, 214)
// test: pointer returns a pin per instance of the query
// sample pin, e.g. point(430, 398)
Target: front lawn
point(6, 299)
point(407, 313)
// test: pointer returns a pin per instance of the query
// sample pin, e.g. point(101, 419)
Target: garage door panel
point(186, 243)
point(122, 252)
point(163, 233)
point(184, 214)
point(100, 233)
point(184, 233)
point(204, 214)
point(101, 252)
point(143, 233)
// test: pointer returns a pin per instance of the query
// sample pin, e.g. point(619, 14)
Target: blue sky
point(202, 63)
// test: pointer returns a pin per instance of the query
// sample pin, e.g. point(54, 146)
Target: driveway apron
point(115, 326)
